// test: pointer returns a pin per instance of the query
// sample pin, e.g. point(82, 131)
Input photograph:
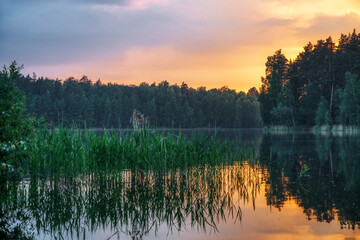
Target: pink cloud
point(129, 5)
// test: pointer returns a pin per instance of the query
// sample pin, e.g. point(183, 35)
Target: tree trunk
point(331, 97)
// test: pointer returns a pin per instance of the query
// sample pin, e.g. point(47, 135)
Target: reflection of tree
point(275, 156)
point(349, 168)
point(332, 186)
point(13, 218)
point(135, 203)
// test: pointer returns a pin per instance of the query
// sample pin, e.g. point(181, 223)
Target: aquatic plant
point(138, 120)
point(303, 172)
point(70, 152)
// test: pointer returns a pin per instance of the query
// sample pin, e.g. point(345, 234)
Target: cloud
point(74, 30)
point(332, 24)
point(76, 2)
point(272, 22)
point(233, 68)
point(114, 7)
point(57, 32)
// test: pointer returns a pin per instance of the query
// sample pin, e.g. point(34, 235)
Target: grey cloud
point(58, 33)
point(83, 2)
point(119, 2)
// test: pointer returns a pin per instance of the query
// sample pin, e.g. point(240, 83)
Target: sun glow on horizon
point(202, 43)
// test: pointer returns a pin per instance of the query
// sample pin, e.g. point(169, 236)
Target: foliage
point(322, 113)
point(350, 101)
point(75, 101)
point(15, 125)
point(281, 115)
point(247, 111)
point(317, 77)
point(270, 91)
point(66, 152)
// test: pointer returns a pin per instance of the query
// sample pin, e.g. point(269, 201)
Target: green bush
point(15, 126)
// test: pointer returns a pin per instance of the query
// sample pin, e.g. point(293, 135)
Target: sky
point(211, 43)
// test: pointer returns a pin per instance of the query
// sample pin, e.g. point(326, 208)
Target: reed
point(70, 152)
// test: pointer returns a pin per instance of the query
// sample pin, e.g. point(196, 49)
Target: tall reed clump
point(70, 152)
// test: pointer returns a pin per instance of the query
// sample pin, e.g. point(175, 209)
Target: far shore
point(338, 130)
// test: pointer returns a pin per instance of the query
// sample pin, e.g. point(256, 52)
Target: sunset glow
point(203, 43)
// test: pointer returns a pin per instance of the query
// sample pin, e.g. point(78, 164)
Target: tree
point(350, 101)
point(108, 105)
point(15, 126)
point(253, 92)
point(247, 112)
point(347, 57)
point(283, 113)
point(323, 113)
point(276, 67)
point(276, 70)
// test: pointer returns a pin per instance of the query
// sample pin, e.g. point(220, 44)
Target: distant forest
point(111, 105)
point(320, 87)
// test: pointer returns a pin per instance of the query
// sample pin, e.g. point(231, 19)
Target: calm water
point(300, 186)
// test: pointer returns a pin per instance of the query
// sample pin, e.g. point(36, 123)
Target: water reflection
point(330, 185)
point(307, 176)
point(134, 202)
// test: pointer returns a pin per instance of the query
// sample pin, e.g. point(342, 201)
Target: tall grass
point(70, 152)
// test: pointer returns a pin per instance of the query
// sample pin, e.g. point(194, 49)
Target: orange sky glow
point(207, 43)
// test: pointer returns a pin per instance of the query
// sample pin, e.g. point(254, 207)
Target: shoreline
point(338, 130)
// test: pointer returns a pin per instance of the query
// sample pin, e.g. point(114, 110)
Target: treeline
point(111, 105)
point(320, 87)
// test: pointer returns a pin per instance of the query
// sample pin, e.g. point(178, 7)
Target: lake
point(299, 186)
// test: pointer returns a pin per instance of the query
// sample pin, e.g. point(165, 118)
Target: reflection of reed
point(136, 203)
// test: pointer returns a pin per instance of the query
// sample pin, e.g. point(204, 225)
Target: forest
point(319, 87)
point(76, 101)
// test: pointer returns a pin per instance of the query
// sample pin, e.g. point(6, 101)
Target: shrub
point(15, 126)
